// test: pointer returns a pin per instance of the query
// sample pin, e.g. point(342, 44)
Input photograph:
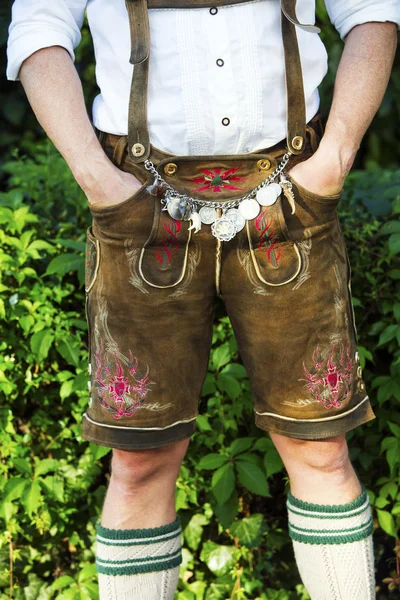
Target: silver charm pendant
point(269, 194)
point(207, 215)
point(196, 222)
point(249, 209)
point(288, 191)
point(223, 229)
point(237, 219)
point(178, 208)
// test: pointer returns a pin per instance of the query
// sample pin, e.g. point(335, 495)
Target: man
point(176, 223)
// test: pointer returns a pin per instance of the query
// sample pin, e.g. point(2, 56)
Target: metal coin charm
point(207, 215)
point(269, 194)
point(249, 209)
point(237, 219)
point(223, 229)
point(178, 208)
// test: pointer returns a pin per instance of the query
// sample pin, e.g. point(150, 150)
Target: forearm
point(55, 93)
point(361, 81)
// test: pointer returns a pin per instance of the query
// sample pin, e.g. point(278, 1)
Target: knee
point(329, 455)
point(134, 468)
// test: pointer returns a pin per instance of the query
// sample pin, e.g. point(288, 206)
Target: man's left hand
point(322, 174)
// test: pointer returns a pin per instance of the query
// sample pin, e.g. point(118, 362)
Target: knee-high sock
point(138, 564)
point(333, 548)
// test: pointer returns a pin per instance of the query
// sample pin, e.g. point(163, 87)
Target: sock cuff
point(171, 530)
point(134, 551)
point(331, 509)
point(331, 524)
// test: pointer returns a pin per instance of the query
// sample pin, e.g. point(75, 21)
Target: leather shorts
point(151, 286)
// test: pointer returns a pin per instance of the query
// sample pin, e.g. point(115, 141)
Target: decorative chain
point(149, 166)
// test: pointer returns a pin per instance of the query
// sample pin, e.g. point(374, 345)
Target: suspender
point(138, 133)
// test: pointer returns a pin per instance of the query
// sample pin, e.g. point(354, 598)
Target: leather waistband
point(116, 146)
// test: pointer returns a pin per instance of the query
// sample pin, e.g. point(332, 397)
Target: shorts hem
point(316, 430)
point(125, 439)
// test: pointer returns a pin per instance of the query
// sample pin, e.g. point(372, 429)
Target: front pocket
point(113, 208)
point(313, 216)
point(163, 259)
point(92, 259)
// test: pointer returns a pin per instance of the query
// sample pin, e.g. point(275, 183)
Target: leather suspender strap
point(138, 134)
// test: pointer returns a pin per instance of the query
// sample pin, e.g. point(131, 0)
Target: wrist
point(339, 148)
point(91, 168)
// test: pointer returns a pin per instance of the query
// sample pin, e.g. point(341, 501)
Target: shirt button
point(220, 62)
point(225, 121)
point(213, 10)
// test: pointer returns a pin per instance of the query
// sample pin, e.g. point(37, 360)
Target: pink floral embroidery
point(120, 393)
point(329, 381)
point(170, 244)
point(268, 239)
point(217, 180)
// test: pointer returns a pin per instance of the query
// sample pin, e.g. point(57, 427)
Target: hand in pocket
point(112, 189)
point(319, 175)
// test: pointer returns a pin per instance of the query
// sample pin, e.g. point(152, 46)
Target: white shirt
point(189, 93)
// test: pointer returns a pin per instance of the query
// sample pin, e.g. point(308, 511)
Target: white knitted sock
point(138, 564)
point(333, 548)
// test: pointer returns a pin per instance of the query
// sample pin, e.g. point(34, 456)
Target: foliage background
point(231, 491)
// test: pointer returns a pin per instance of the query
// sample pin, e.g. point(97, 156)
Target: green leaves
point(31, 497)
point(219, 559)
point(248, 530)
point(63, 263)
point(212, 461)
point(386, 521)
point(252, 478)
point(223, 483)
point(41, 342)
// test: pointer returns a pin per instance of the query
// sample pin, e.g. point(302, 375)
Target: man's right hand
point(105, 185)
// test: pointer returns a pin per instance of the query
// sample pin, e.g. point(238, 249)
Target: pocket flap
point(163, 260)
point(276, 258)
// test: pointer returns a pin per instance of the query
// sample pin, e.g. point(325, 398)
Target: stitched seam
point(332, 418)
point(139, 428)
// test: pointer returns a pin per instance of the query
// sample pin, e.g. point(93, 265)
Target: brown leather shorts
point(151, 285)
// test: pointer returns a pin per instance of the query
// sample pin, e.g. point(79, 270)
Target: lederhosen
point(283, 274)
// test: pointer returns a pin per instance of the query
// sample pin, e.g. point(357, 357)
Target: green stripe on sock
point(331, 509)
point(309, 536)
point(138, 541)
point(125, 534)
point(328, 515)
point(133, 566)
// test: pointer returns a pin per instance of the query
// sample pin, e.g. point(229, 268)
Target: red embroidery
point(268, 239)
point(217, 180)
point(329, 381)
point(170, 243)
point(120, 393)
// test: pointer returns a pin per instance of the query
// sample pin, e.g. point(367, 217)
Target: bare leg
point(141, 492)
point(139, 538)
point(320, 471)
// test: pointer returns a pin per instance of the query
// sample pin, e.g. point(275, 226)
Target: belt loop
point(119, 150)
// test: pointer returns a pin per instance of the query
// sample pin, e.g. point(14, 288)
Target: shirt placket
point(221, 82)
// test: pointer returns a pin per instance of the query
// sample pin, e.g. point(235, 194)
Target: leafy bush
point(231, 489)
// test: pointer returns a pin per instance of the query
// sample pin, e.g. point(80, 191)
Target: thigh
point(149, 297)
point(286, 286)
